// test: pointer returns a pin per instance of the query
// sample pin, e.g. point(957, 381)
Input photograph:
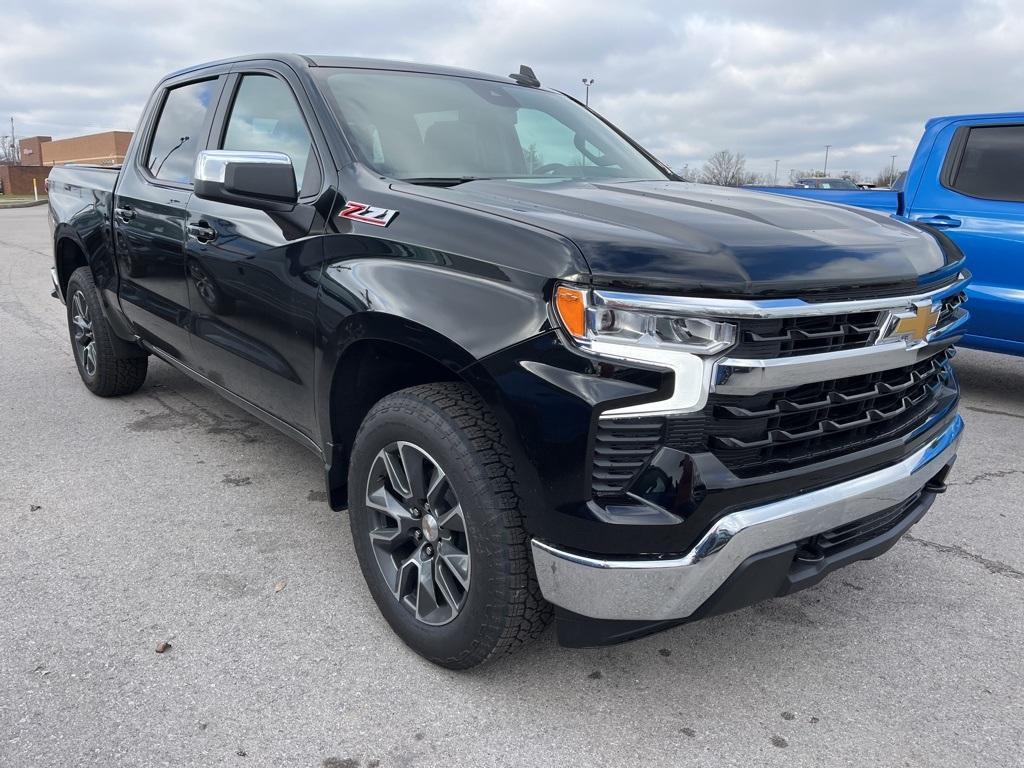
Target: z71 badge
point(368, 214)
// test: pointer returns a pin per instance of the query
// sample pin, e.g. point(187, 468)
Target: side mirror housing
point(262, 180)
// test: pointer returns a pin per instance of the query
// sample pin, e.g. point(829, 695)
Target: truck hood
point(682, 236)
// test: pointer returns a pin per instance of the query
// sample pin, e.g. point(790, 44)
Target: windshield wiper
point(446, 181)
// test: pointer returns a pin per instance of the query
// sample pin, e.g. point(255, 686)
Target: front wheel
point(437, 528)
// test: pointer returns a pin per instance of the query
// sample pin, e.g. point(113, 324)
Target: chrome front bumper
point(660, 590)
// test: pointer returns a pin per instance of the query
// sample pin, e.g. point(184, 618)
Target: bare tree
point(10, 151)
point(9, 154)
point(726, 169)
point(686, 173)
point(887, 176)
point(796, 174)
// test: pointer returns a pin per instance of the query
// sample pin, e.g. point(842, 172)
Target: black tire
point(502, 607)
point(104, 372)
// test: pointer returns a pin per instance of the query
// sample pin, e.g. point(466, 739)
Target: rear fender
point(71, 251)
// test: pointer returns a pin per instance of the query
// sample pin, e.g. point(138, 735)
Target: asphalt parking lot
point(172, 516)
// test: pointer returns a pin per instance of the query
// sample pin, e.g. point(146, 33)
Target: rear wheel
point(436, 526)
point(103, 370)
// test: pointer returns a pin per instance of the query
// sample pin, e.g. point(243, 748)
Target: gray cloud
point(773, 80)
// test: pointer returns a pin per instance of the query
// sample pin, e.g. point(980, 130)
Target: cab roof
point(300, 61)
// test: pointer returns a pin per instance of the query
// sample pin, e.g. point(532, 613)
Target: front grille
point(787, 337)
point(772, 431)
point(808, 423)
point(865, 529)
point(950, 305)
point(768, 339)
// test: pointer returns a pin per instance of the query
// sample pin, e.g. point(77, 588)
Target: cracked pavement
point(171, 516)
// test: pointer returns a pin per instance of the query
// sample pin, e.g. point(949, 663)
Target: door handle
point(125, 214)
point(939, 221)
point(202, 232)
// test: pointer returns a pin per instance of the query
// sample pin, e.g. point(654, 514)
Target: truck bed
point(73, 179)
point(883, 200)
point(82, 194)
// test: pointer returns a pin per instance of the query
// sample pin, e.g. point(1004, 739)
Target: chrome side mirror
point(263, 180)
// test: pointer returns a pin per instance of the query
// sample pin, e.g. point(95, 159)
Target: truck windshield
point(444, 129)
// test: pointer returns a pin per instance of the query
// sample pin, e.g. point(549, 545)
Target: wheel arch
point(383, 354)
point(69, 254)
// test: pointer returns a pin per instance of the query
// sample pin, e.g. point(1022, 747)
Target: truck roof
point(1009, 116)
point(299, 61)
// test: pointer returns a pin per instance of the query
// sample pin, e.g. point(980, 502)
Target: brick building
point(40, 153)
point(18, 179)
point(31, 149)
point(107, 148)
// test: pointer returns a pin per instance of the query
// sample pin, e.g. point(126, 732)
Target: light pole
point(892, 171)
point(824, 171)
point(15, 150)
point(587, 82)
point(776, 182)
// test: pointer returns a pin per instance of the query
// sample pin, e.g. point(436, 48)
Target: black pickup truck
point(545, 376)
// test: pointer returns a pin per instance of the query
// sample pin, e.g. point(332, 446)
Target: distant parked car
point(816, 183)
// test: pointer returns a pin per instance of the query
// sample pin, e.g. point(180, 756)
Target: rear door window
point(992, 166)
point(177, 138)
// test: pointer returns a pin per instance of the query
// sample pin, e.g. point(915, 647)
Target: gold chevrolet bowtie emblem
point(917, 323)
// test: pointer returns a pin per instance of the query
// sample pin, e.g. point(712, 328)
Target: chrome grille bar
point(768, 308)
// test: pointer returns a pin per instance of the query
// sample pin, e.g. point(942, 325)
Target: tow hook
point(810, 552)
point(938, 483)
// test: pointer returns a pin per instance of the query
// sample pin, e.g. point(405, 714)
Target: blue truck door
point(974, 193)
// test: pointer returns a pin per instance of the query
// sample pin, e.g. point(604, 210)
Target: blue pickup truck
point(966, 180)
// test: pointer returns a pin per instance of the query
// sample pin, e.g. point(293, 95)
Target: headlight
point(597, 326)
point(681, 344)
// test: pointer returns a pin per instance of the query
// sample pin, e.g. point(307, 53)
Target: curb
point(31, 204)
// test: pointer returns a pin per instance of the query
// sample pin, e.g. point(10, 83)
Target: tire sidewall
point(115, 375)
point(77, 284)
point(478, 624)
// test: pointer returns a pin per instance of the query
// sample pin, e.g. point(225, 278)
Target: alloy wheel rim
point(418, 533)
point(85, 341)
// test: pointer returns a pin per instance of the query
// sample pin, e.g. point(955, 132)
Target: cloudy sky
point(773, 80)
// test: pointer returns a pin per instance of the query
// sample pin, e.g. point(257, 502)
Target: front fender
point(479, 313)
point(452, 308)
